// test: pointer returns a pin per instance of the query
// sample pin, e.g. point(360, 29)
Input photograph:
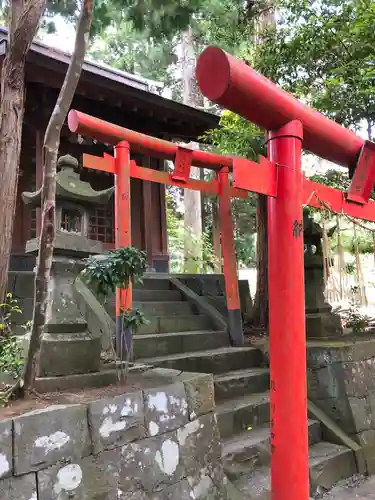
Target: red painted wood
point(364, 175)
point(148, 174)
point(257, 177)
point(182, 164)
point(288, 393)
point(227, 241)
point(140, 143)
point(317, 195)
point(234, 85)
point(122, 214)
point(106, 163)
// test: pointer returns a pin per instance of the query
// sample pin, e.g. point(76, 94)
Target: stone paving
point(365, 490)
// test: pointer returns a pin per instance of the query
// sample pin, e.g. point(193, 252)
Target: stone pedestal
point(68, 347)
point(321, 322)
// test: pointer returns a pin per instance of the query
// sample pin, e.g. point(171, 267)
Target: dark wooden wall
point(147, 202)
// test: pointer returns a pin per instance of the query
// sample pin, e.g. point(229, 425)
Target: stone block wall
point(341, 381)
point(152, 444)
point(212, 287)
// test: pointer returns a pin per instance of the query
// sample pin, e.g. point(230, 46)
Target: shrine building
point(115, 96)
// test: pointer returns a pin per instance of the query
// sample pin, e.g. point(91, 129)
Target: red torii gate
point(123, 168)
point(234, 85)
point(290, 124)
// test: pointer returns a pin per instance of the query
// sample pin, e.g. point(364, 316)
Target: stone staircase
point(180, 338)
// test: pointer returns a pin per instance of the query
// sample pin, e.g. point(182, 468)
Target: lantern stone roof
point(70, 187)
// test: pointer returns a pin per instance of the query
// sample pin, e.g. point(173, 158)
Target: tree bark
point(48, 229)
point(24, 22)
point(192, 199)
point(260, 312)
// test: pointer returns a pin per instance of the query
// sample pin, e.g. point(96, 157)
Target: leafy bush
point(11, 352)
point(118, 269)
point(354, 319)
point(7, 311)
point(11, 359)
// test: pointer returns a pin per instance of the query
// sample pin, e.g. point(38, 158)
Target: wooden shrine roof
point(127, 98)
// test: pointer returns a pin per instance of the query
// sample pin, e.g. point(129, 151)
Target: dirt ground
point(38, 401)
point(356, 488)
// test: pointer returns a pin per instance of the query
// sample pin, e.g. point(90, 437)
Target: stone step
point(212, 361)
point(69, 354)
point(141, 295)
point(104, 377)
point(157, 309)
point(166, 324)
point(251, 449)
point(162, 344)
point(241, 382)
point(153, 284)
point(329, 463)
point(238, 414)
point(165, 308)
point(21, 283)
point(26, 306)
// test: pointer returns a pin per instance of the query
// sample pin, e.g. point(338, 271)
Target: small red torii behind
point(291, 125)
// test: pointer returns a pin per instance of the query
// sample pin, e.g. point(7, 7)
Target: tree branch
point(48, 229)
point(73, 74)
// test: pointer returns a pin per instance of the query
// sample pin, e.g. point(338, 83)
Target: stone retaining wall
point(341, 381)
point(152, 444)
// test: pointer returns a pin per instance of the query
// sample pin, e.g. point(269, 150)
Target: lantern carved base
point(67, 348)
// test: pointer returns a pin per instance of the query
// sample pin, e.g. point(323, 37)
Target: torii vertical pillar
point(123, 233)
point(288, 390)
point(229, 258)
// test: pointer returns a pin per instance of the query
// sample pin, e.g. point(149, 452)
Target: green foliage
point(245, 249)
point(356, 320)
point(117, 269)
point(11, 352)
point(237, 137)
point(133, 319)
point(333, 178)
point(11, 358)
point(8, 310)
point(122, 47)
point(353, 317)
point(324, 52)
point(363, 242)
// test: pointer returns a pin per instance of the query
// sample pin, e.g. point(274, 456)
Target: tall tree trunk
point(23, 25)
point(48, 229)
point(260, 311)
point(192, 199)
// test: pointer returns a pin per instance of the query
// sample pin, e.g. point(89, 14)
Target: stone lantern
point(68, 347)
point(321, 321)
point(74, 199)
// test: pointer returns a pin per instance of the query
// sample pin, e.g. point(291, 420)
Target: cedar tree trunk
point(260, 313)
point(24, 18)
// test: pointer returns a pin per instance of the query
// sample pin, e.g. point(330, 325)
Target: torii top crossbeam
point(234, 85)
